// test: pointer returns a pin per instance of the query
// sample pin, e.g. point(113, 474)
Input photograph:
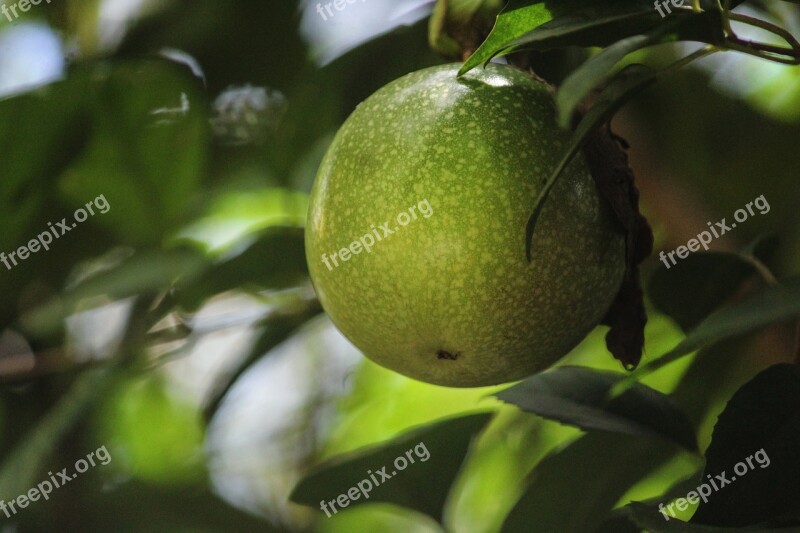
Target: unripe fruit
point(443, 292)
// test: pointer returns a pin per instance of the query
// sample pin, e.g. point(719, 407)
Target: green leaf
point(275, 259)
point(152, 271)
point(770, 305)
point(117, 506)
point(53, 134)
point(590, 23)
point(756, 443)
point(624, 86)
point(690, 290)
point(52, 117)
point(157, 434)
point(538, 25)
point(516, 19)
point(621, 517)
point(578, 396)
point(601, 466)
point(25, 464)
point(578, 85)
point(705, 27)
point(147, 152)
point(422, 486)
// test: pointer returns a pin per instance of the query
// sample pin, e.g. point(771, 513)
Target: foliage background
point(180, 330)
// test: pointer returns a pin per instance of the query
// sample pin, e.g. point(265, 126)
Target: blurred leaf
point(53, 116)
point(722, 362)
point(135, 506)
point(278, 327)
point(239, 215)
point(621, 519)
point(147, 152)
point(458, 24)
point(152, 434)
point(618, 524)
point(22, 467)
point(42, 132)
point(146, 272)
point(425, 485)
point(579, 396)
point(274, 260)
point(763, 417)
point(438, 38)
point(689, 291)
point(248, 40)
point(378, 517)
point(771, 305)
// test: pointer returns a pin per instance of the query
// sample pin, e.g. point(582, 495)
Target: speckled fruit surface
point(444, 293)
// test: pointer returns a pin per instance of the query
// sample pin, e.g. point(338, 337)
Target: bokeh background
point(180, 330)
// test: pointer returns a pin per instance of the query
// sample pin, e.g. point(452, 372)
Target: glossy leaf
point(578, 396)
point(518, 18)
point(539, 25)
point(769, 306)
point(603, 466)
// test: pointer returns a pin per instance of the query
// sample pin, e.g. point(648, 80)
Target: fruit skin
point(451, 299)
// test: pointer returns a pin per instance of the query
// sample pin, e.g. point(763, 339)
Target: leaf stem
point(779, 54)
